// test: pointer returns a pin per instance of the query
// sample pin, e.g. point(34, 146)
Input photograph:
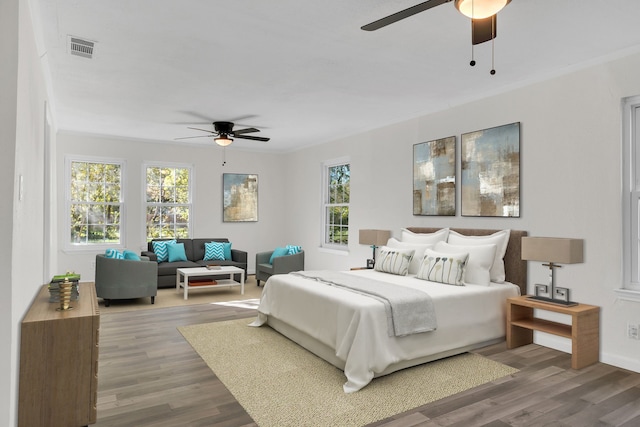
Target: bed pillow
point(176, 252)
point(447, 268)
point(477, 270)
point(500, 239)
point(425, 238)
point(418, 248)
point(394, 261)
point(160, 249)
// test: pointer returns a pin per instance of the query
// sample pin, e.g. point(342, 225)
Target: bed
point(351, 330)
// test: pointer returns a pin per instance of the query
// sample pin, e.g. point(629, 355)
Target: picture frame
point(490, 172)
point(239, 197)
point(434, 177)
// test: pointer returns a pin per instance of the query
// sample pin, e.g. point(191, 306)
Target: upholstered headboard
point(515, 267)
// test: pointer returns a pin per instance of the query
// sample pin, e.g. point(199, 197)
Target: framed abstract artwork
point(434, 177)
point(240, 197)
point(491, 172)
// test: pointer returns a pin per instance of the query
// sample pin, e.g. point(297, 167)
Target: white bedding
point(354, 327)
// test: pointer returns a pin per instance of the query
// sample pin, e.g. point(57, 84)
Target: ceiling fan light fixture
point(223, 140)
point(480, 9)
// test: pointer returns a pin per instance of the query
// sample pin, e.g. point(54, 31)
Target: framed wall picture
point(434, 177)
point(491, 172)
point(240, 197)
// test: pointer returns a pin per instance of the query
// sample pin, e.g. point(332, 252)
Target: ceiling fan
point(223, 133)
point(483, 14)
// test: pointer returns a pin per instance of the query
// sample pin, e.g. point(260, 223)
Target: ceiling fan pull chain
point(224, 156)
point(493, 46)
point(473, 61)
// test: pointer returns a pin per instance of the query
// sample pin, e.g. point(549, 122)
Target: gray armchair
point(125, 279)
point(281, 265)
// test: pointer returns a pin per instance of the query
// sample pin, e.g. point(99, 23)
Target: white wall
point(570, 185)
point(252, 237)
point(21, 133)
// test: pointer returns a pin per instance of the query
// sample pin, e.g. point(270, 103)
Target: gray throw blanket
point(409, 311)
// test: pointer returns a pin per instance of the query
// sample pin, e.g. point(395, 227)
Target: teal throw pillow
point(160, 249)
point(114, 254)
point(292, 250)
point(214, 251)
point(278, 252)
point(131, 255)
point(227, 250)
point(176, 252)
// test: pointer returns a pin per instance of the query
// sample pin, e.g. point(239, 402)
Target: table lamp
point(374, 238)
point(553, 251)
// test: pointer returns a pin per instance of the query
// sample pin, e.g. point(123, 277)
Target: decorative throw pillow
point(226, 248)
point(160, 249)
point(131, 255)
point(278, 252)
point(479, 263)
point(500, 239)
point(215, 251)
point(394, 261)
point(419, 249)
point(114, 254)
point(424, 238)
point(447, 268)
point(176, 252)
point(292, 250)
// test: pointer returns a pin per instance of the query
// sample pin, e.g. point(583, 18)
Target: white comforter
point(355, 325)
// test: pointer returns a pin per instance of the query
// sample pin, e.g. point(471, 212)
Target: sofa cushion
point(169, 268)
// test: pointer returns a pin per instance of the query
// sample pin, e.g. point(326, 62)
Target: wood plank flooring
point(150, 376)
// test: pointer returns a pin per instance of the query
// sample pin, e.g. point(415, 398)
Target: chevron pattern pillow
point(214, 251)
point(292, 250)
point(113, 253)
point(160, 249)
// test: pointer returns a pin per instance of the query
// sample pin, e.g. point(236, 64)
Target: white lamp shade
point(480, 9)
point(223, 141)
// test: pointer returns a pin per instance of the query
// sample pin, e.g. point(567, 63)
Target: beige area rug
point(170, 298)
point(281, 384)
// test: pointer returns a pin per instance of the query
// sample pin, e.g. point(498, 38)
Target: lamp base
point(554, 301)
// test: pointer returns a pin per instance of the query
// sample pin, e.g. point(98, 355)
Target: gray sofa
point(125, 279)
point(194, 249)
point(281, 265)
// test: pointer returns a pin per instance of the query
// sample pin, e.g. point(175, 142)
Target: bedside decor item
point(491, 172)
point(434, 177)
point(553, 251)
point(240, 197)
point(374, 238)
point(65, 295)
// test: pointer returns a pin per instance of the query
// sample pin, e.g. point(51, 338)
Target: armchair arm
point(288, 263)
point(238, 255)
point(263, 257)
point(150, 255)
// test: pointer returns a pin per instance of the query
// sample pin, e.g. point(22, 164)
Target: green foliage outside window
point(168, 202)
point(337, 205)
point(95, 203)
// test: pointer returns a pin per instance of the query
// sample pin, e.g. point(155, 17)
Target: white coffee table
point(183, 275)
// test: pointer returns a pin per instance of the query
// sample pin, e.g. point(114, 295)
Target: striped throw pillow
point(292, 250)
point(213, 251)
point(160, 249)
point(113, 253)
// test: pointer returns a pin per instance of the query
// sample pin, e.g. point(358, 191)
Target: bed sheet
point(354, 325)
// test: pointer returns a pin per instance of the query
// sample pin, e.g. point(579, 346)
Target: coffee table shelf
point(183, 275)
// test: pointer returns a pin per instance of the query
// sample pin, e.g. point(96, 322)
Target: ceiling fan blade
point(189, 137)
point(247, 130)
point(383, 22)
point(253, 138)
point(203, 130)
point(483, 30)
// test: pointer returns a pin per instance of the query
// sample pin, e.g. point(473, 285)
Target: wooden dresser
point(59, 362)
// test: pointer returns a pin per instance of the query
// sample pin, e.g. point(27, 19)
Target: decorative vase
point(65, 295)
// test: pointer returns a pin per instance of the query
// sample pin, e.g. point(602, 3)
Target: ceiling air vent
point(80, 47)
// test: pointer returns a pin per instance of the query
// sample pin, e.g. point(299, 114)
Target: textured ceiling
point(302, 71)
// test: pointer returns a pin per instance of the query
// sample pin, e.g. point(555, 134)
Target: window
point(337, 185)
point(631, 197)
point(94, 202)
point(168, 201)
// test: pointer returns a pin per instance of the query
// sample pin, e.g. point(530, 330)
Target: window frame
point(326, 166)
point(630, 199)
point(69, 246)
point(145, 203)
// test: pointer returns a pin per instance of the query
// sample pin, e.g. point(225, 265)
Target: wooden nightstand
point(584, 330)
